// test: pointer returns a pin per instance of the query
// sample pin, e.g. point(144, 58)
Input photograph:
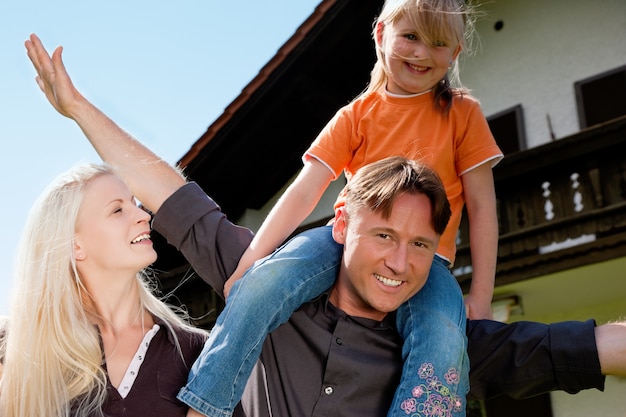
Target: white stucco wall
point(543, 48)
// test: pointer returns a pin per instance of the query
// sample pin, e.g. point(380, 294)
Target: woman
point(87, 336)
point(3, 329)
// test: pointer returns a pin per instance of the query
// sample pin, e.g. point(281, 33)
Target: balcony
point(561, 205)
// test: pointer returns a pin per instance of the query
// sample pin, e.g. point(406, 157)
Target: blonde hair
point(4, 324)
point(53, 361)
point(433, 20)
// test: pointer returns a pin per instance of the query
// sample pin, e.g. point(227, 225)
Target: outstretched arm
point(150, 178)
point(611, 342)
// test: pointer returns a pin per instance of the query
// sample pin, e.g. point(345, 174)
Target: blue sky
point(162, 70)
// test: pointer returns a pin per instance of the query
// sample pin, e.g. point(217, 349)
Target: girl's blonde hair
point(433, 20)
point(53, 360)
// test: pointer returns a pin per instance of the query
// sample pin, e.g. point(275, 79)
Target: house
point(551, 77)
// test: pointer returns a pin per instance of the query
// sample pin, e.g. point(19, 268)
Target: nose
point(142, 215)
point(420, 49)
point(397, 259)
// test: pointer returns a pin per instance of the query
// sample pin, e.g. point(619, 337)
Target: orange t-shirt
point(379, 125)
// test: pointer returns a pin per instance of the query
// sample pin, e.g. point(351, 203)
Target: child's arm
point(291, 209)
point(480, 201)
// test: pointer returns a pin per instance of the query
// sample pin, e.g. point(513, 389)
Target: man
point(390, 226)
point(339, 354)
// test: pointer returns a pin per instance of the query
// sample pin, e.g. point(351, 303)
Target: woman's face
point(112, 232)
point(413, 66)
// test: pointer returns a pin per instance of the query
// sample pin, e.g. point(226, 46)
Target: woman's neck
point(116, 303)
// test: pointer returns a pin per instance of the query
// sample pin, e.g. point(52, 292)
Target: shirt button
point(328, 390)
point(339, 341)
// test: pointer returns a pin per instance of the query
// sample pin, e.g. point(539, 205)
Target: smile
point(417, 68)
point(140, 238)
point(388, 281)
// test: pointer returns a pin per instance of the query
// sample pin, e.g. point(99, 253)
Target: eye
point(420, 244)
point(439, 43)
point(117, 210)
point(410, 37)
point(384, 236)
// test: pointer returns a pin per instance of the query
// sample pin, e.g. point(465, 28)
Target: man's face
point(385, 261)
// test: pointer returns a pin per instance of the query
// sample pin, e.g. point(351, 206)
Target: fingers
point(40, 83)
point(39, 57)
point(53, 83)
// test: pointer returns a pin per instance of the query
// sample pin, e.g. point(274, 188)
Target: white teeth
point(417, 68)
point(141, 237)
point(387, 281)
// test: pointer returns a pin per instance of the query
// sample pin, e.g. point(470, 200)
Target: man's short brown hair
point(375, 187)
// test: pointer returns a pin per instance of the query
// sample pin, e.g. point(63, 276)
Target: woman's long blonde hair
point(433, 20)
point(53, 361)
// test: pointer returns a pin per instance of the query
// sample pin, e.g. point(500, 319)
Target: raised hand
point(52, 77)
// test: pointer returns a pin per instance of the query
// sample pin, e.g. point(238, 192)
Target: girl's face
point(112, 232)
point(413, 66)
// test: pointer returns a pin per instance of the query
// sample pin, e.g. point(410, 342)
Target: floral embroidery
point(435, 398)
point(426, 370)
point(452, 376)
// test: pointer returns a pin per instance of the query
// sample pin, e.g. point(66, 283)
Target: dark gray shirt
point(325, 363)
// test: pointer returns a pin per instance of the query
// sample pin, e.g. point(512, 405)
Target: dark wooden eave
point(255, 146)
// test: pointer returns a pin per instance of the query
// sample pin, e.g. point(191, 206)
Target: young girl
point(87, 337)
point(409, 109)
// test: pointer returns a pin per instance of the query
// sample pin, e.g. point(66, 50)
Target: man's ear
point(340, 225)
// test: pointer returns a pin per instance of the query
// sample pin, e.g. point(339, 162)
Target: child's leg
point(263, 299)
point(435, 376)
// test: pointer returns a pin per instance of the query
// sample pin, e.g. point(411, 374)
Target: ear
point(79, 253)
point(380, 28)
point(340, 225)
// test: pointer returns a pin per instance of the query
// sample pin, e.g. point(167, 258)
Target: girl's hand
point(478, 310)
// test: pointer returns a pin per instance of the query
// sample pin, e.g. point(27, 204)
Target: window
point(601, 98)
point(507, 127)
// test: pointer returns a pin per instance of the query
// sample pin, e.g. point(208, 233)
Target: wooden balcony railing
point(560, 206)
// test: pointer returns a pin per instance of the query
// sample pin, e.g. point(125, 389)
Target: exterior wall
point(542, 49)
point(610, 403)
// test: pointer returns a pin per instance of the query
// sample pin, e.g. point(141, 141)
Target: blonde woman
point(87, 336)
point(4, 322)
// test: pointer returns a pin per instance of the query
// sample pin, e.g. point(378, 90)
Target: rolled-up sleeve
point(194, 224)
point(525, 358)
